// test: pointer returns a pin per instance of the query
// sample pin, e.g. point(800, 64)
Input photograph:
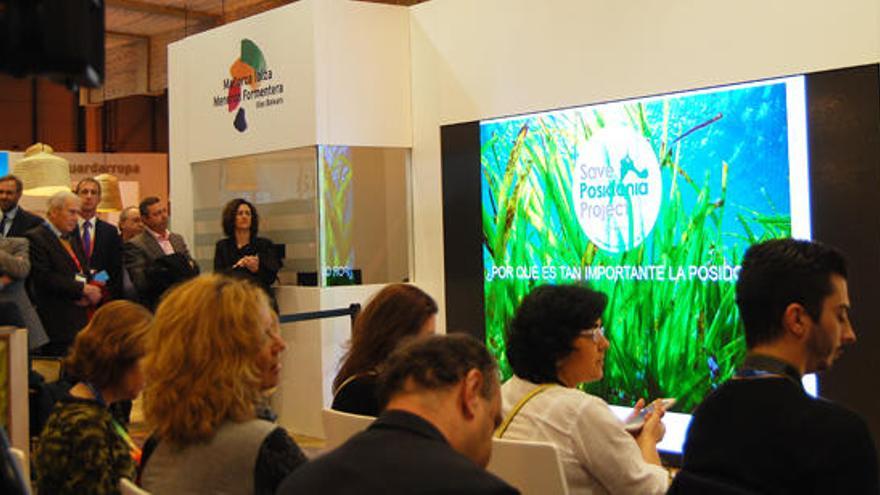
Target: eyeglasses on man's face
point(596, 333)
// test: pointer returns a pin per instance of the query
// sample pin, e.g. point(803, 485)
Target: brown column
point(94, 130)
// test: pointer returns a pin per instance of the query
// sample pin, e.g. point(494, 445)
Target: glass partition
point(365, 215)
point(358, 233)
point(282, 187)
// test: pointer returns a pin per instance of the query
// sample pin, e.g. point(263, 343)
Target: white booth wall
point(345, 71)
point(490, 58)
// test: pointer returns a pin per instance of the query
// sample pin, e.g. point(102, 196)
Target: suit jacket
point(400, 453)
point(106, 255)
point(54, 287)
point(23, 222)
point(15, 262)
point(141, 255)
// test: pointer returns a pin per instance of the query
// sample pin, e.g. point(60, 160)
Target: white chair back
point(340, 426)
point(127, 487)
point(20, 461)
point(532, 467)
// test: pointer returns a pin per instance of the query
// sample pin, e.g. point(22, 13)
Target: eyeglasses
point(596, 333)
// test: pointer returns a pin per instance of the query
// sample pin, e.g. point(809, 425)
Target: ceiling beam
point(122, 34)
point(254, 8)
point(166, 10)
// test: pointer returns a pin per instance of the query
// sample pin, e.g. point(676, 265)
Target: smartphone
point(636, 422)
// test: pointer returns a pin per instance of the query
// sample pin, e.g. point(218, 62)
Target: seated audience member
point(554, 343)
point(241, 253)
point(83, 449)
point(213, 351)
point(441, 399)
point(396, 312)
point(760, 432)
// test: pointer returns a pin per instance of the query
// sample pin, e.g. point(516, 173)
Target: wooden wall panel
point(15, 113)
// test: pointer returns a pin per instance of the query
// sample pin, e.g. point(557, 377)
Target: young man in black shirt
point(761, 432)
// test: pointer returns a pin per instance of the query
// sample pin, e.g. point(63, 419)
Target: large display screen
point(652, 201)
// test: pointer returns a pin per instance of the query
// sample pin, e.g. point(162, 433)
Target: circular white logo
point(616, 188)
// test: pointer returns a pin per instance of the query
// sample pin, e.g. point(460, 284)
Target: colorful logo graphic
point(250, 69)
point(617, 188)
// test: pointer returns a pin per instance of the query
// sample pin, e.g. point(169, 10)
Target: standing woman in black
point(241, 253)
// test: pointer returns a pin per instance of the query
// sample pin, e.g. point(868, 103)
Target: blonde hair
point(110, 344)
point(201, 367)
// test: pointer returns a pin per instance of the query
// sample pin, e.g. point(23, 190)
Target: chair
point(12, 474)
point(532, 467)
point(47, 366)
point(127, 487)
point(340, 426)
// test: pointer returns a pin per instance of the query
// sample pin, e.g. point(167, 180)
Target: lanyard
point(133, 449)
point(756, 367)
point(69, 249)
point(502, 428)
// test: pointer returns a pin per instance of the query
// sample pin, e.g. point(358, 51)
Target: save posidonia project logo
point(617, 188)
point(251, 79)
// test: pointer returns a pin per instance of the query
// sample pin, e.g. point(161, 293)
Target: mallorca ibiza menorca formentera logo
point(616, 188)
point(251, 79)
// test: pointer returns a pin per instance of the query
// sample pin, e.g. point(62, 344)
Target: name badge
point(79, 277)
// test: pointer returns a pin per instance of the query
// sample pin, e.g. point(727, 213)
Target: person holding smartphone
point(554, 343)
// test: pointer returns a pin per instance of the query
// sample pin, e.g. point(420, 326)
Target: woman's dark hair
point(231, 210)
point(545, 326)
point(396, 312)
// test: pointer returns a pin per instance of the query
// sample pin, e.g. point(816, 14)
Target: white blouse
point(598, 455)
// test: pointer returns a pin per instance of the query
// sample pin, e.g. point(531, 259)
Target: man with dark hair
point(14, 221)
point(442, 403)
point(99, 240)
point(761, 431)
point(157, 259)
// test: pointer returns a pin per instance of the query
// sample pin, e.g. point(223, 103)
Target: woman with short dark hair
point(242, 253)
point(555, 342)
point(83, 449)
point(395, 313)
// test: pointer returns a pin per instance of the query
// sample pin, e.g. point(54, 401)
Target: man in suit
point(99, 240)
point(130, 223)
point(15, 221)
point(157, 259)
point(442, 403)
point(15, 264)
point(130, 226)
point(59, 279)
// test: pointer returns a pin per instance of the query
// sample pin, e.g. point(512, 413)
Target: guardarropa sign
point(617, 188)
point(251, 83)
